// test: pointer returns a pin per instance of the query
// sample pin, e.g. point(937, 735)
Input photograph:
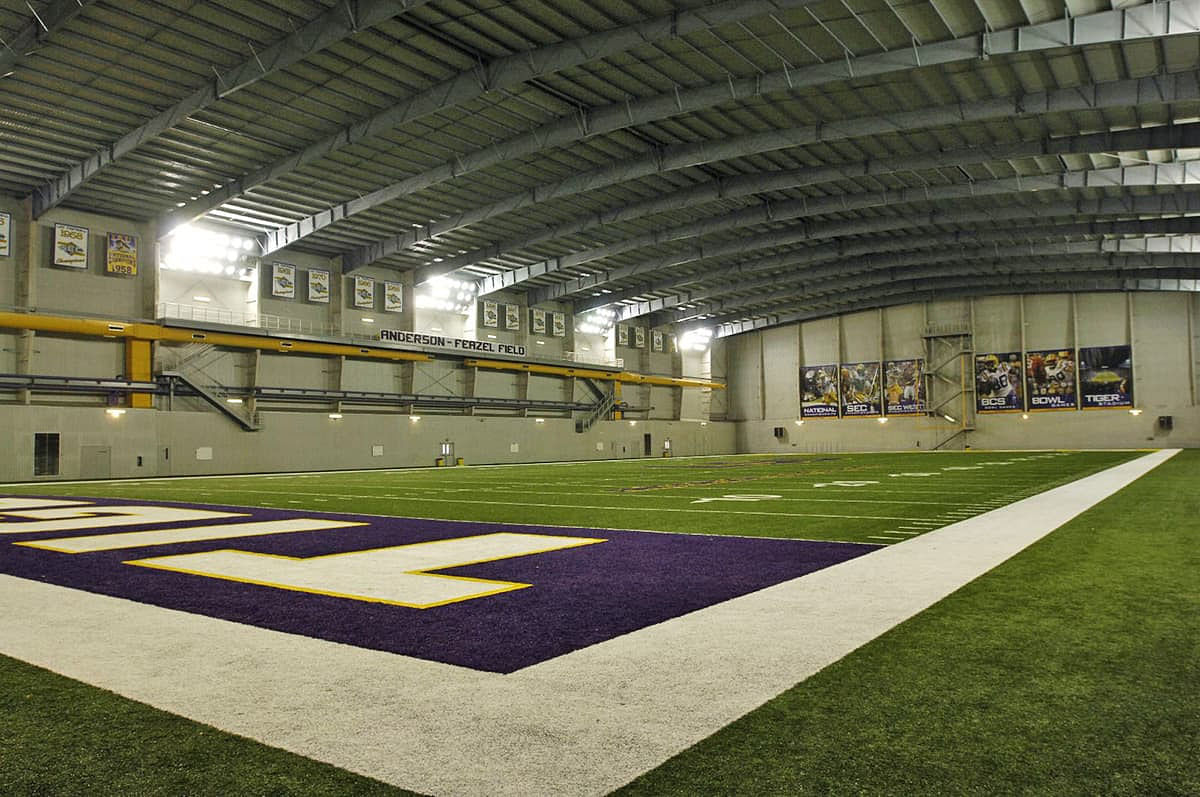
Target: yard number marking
point(742, 497)
point(397, 575)
point(845, 484)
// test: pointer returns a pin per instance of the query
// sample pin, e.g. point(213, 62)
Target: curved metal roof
point(740, 163)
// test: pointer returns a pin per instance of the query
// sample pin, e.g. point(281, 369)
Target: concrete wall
point(1161, 327)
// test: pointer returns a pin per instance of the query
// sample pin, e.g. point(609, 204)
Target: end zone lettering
point(443, 342)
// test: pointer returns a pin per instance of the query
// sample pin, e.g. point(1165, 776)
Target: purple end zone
point(580, 596)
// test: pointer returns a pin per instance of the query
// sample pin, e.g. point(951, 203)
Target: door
point(95, 462)
point(646, 445)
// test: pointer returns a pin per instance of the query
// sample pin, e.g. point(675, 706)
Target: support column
point(138, 369)
point(27, 257)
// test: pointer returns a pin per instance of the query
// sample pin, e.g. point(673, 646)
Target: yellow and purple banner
point(861, 390)
point(1050, 379)
point(819, 392)
point(904, 389)
point(999, 383)
point(122, 255)
point(1106, 377)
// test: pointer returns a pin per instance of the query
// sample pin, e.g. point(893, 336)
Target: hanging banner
point(819, 392)
point(656, 341)
point(622, 335)
point(539, 321)
point(1050, 379)
point(70, 246)
point(5, 235)
point(904, 387)
point(559, 325)
point(999, 384)
point(861, 390)
point(456, 344)
point(283, 281)
point(121, 256)
point(364, 293)
point(1106, 377)
point(393, 297)
point(512, 316)
point(318, 286)
point(639, 337)
point(491, 314)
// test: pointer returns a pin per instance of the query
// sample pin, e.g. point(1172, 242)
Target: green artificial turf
point(875, 498)
point(1073, 669)
point(62, 737)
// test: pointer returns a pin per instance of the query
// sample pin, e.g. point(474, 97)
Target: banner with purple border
point(999, 383)
point(905, 387)
point(819, 391)
point(861, 390)
point(1050, 379)
point(1106, 377)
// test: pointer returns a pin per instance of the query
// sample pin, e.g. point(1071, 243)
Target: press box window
point(45, 454)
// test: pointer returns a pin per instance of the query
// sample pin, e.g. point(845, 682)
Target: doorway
point(95, 462)
point(647, 445)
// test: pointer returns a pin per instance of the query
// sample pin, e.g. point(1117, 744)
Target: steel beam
point(508, 72)
point(1096, 28)
point(337, 23)
point(42, 24)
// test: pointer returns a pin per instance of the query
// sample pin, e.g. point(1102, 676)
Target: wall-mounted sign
point(283, 280)
point(999, 384)
point(318, 285)
point(1050, 379)
point(393, 297)
point(861, 390)
point(656, 340)
point(5, 235)
point(819, 391)
point(121, 256)
point(539, 321)
point(491, 314)
point(559, 321)
point(461, 345)
point(622, 335)
point(903, 387)
point(512, 316)
point(70, 246)
point(364, 293)
point(639, 337)
point(1106, 377)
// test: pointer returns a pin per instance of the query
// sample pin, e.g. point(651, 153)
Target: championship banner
point(283, 281)
point(639, 337)
point(1106, 377)
point(457, 344)
point(622, 335)
point(121, 257)
point(999, 384)
point(5, 235)
point(70, 246)
point(819, 392)
point(491, 314)
point(904, 388)
point(539, 322)
point(318, 285)
point(656, 341)
point(559, 321)
point(512, 316)
point(393, 297)
point(861, 390)
point(1050, 379)
point(364, 293)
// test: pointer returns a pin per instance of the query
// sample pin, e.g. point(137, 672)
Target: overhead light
point(335, 416)
point(633, 423)
point(492, 337)
point(233, 401)
point(1135, 411)
point(540, 342)
point(1024, 416)
point(951, 419)
point(368, 320)
point(704, 423)
point(799, 422)
point(883, 420)
point(203, 299)
point(539, 420)
point(115, 412)
point(414, 418)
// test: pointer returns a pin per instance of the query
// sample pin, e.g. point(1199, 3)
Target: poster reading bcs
point(1106, 377)
point(819, 392)
point(999, 384)
point(861, 390)
point(1050, 379)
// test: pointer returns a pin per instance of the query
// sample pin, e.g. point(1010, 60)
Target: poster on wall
point(819, 392)
point(5, 235)
point(283, 281)
point(539, 321)
point(558, 323)
point(512, 316)
point(999, 384)
point(491, 314)
point(1106, 377)
point(622, 335)
point(393, 297)
point(639, 337)
point(70, 246)
point(121, 255)
point(364, 293)
point(656, 340)
point(904, 387)
point(861, 390)
point(318, 285)
point(1050, 379)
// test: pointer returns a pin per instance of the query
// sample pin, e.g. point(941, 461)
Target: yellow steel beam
point(608, 376)
point(151, 332)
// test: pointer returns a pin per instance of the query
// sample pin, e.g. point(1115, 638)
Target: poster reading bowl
point(999, 384)
point(861, 391)
point(904, 389)
point(819, 392)
point(121, 257)
point(1050, 379)
point(1106, 377)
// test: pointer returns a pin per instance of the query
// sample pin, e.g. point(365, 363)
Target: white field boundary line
point(583, 723)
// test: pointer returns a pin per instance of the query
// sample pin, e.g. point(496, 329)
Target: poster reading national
point(819, 392)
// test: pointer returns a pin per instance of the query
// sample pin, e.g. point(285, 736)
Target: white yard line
point(583, 723)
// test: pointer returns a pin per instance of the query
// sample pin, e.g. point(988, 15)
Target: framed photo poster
point(70, 246)
point(318, 285)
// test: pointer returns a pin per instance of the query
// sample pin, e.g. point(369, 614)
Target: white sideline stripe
point(584, 723)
